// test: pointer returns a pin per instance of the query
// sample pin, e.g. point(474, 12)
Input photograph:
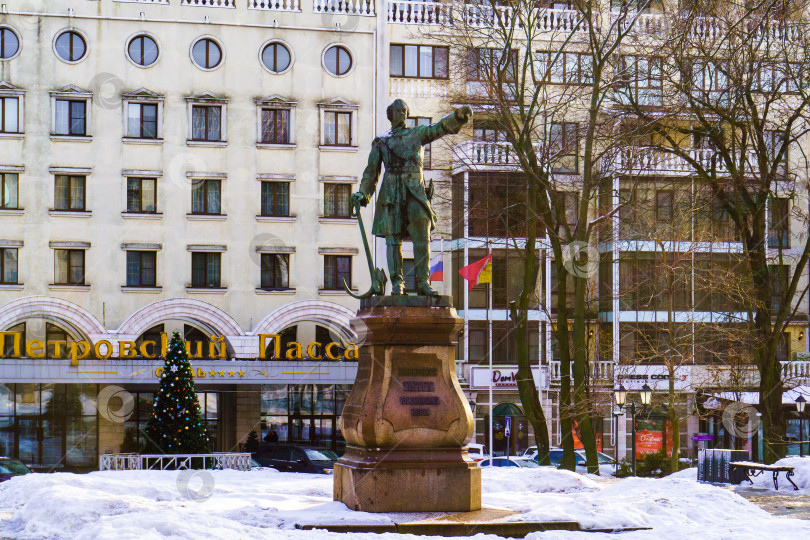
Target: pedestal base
point(408, 480)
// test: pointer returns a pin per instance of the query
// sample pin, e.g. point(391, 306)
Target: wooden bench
point(755, 469)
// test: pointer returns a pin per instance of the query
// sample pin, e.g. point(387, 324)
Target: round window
point(337, 60)
point(143, 50)
point(70, 46)
point(276, 57)
point(206, 53)
point(9, 44)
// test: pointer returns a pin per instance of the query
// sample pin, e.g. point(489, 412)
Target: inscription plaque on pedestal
point(406, 421)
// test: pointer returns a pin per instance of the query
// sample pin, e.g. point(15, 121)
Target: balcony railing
point(598, 372)
point(345, 7)
point(209, 3)
point(796, 372)
point(424, 88)
point(486, 154)
point(275, 5)
point(415, 12)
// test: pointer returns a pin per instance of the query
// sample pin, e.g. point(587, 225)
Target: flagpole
point(489, 330)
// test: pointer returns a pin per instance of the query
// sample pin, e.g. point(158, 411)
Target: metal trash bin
point(713, 465)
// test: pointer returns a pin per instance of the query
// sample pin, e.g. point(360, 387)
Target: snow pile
point(535, 480)
point(265, 504)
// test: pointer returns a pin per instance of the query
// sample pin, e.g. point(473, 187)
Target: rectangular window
point(337, 128)
point(9, 189)
point(779, 274)
point(482, 65)
point(69, 193)
point(206, 270)
point(275, 271)
point(205, 197)
point(775, 142)
point(337, 269)
point(564, 67)
point(275, 198)
point(779, 223)
point(336, 200)
point(708, 78)
point(141, 268)
point(71, 117)
point(421, 121)
point(9, 115)
point(664, 199)
point(276, 126)
point(642, 79)
point(419, 61)
point(564, 147)
point(206, 122)
point(69, 267)
point(142, 195)
point(142, 120)
point(8, 265)
point(487, 131)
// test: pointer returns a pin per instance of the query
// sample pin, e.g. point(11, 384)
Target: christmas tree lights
point(176, 425)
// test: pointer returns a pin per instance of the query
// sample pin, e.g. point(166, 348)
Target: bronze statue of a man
point(403, 207)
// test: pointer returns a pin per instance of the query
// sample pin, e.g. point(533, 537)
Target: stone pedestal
point(406, 421)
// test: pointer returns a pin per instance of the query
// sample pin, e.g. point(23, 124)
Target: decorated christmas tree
point(176, 425)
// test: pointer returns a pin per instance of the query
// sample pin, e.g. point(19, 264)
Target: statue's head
point(397, 112)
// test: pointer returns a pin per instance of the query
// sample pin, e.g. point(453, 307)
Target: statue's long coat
point(400, 150)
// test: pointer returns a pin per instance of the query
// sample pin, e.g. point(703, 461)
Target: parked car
point(607, 465)
point(477, 452)
point(10, 467)
point(512, 461)
point(289, 458)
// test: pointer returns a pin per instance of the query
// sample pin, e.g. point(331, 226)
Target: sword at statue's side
point(378, 277)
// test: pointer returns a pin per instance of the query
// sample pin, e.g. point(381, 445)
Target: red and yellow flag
point(478, 272)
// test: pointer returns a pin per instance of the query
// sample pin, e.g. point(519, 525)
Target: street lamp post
point(800, 404)
point(620, 394)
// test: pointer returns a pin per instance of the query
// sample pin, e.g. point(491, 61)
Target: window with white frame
point(276, 121)
point(207, 123)
point(9, 114)
point(11, 109)
point(338, 124)
point(71, 112)
point(142, 115)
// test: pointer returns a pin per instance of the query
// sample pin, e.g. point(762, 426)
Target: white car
point(508, 461)
point(477, 452)
point(607, 465)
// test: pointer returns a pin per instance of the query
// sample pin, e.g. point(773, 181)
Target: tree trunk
point(529, 395)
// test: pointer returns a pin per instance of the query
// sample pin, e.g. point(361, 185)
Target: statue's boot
point(421, 261)
point(394, 256)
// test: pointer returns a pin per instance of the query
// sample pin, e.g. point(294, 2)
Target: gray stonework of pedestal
point(406, 421)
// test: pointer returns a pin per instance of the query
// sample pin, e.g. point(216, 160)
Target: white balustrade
point(346, 7)
point(217, 460)
point(209, 3)
point(796, 371)
point(421, 88)
point(559, 20)
point(275, 5)
point(484, 16)
point(164, 2)
point(597, 371)
point(415, 12)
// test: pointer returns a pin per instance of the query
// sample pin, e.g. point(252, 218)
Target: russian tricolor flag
point(437, 268)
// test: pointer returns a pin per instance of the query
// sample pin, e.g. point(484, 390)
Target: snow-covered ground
point(267, 504)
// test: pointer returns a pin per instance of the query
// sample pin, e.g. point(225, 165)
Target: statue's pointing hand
point(464, 113)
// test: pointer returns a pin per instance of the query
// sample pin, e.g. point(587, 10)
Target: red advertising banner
point(650, 436)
